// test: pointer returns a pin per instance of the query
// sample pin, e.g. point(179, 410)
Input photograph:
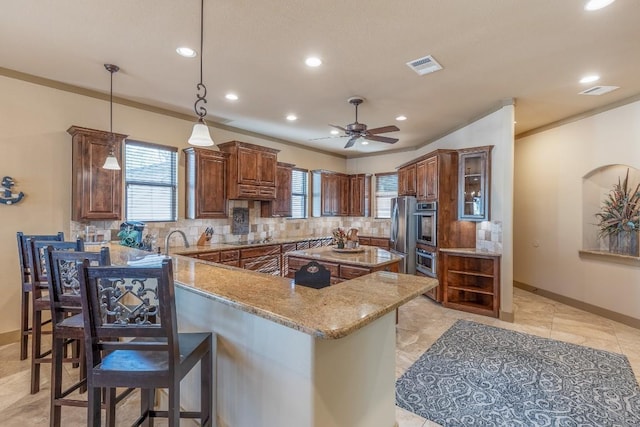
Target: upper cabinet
point(281, 206)
point(407, 180)
point(251, 173)
point(206, 193)
point(427, 179)
point(338, 194)
point(359, 199)
point(96, 192)
point(474, 183)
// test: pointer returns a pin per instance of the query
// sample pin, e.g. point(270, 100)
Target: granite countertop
point(470, 251)
point(371, 256)
point(329, 313)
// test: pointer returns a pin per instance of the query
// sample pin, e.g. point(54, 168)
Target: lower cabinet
point(265, 259)
point(339, 272)
point(471, 282)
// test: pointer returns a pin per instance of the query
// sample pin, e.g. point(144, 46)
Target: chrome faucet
point(166, 240)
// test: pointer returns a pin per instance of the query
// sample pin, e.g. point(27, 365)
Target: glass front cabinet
point(474, 183)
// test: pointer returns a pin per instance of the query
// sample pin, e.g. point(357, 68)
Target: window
point(150, 182)
point(299, 188)
point(386, 189)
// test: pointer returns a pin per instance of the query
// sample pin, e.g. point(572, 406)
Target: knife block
point(204, 239)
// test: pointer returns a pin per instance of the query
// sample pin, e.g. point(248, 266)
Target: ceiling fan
point(357, 130)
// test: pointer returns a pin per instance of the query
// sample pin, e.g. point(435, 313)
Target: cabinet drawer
point(231, 255)
point(259, 251)
point(247, 190)
point(296, 263)
point(364, 241)
point(288, 247)
point(380, 242)
point(267, 192)
point(232, 263)
point(350, 272)
point(210, 256)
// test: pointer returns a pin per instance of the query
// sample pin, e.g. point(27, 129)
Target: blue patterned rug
point(478, 375)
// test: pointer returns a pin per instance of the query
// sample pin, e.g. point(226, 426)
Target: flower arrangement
point(621, 210)
point(339, 237)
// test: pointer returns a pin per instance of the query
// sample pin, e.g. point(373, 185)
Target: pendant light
point(200, 135)
point(111, 162)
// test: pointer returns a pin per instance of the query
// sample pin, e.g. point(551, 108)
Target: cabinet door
point(343, 195)
point(248, 164)
point(474, 180)
point(96, 192)
point(268, 169)
point(205, 184)
point(407, 180)
point(359, 202)
point(281, 206)
point(431, 175)
point(329, 196)
point(421, 181)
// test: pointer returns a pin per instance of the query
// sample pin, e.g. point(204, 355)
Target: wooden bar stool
point(25, 294)
point(118, 303)
point(68, 323)
point(40, 301)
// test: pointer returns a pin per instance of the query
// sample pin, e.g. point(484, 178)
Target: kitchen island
point(287, 355)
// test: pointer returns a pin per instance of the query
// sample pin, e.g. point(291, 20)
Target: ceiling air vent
point(598, 90)
point(424, 65)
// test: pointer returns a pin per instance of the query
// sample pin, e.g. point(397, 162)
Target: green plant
point(621, 210)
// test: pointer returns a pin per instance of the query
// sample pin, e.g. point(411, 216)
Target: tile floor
point(421, 322)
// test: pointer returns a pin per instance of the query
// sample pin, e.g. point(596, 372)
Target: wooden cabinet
point(337, 194)
point(407, 180)
point(339, 272)
point(96, 192)
point(427, 180)
point(471, 282)
point(206, 193)
point(265, 259)
point(281, 206)
point(474, 183)
point(251, 173)
point(360, 195)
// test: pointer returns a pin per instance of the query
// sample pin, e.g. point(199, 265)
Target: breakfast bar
point(292, 355)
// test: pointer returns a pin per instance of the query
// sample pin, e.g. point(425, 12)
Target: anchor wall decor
point(7, 197)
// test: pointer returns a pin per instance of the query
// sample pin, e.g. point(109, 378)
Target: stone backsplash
point(489, 236)
point(259, 228)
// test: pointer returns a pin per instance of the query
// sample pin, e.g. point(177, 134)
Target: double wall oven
point(426, 234)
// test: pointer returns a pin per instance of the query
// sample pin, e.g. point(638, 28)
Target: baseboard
point(594, 309)
point(9, 337)
point(507, 316)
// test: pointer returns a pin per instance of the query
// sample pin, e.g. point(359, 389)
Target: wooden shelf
point(471, 273)
point(470, 289)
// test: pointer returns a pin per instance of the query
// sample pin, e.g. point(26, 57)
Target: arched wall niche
point(596, 186)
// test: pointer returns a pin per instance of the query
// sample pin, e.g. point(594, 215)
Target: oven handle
point(425, 271)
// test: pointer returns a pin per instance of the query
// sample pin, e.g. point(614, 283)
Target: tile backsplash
point(489, 236)
point(259, 228)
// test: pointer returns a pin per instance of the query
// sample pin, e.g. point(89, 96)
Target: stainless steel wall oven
point(426, 262)
point(426, 223)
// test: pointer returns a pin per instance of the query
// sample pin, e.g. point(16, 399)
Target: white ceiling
point(534, 51)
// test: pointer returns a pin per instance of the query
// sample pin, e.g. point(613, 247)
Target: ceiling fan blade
point(383, 129)
point(352, 141)
point(381, 139)
point(338, 127)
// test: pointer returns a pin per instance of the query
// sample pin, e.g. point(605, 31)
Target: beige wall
point(548, 209)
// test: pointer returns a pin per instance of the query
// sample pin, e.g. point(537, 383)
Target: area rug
point(478, 375)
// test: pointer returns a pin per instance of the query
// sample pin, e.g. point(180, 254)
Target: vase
point(624, 243)
point(340, 245)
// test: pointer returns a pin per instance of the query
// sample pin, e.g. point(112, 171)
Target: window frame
point(304, 195)
point(376, 195)
point(173, 184)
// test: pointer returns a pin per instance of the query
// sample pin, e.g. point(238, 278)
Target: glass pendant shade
point(111, 162)
point(200, 135)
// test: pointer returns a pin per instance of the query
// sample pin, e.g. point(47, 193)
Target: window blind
point(386, 189)
point(299, 188)
point(150, 182)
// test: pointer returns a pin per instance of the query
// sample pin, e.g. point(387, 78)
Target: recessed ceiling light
point(231, 96)
point(313, 61)
point(292, 117)
point(335, 132)
point(590, 79)
point(187, 52)
point(401, 118)
point(597, 4)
